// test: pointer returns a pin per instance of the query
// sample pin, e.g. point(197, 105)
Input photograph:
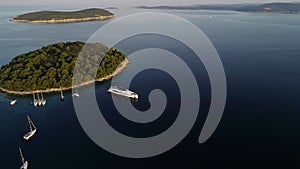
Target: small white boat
point(32, 128)
point(43, 101)
point(13, 102)
point(123, 92)
point(35, 102)
point(24, 163)
point(75, 95)
point(39, 102)
point(62, 97)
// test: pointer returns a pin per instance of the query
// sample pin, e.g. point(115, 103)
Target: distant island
point(93, 14)
point(51, 68)
point(111, 8)
point(288, 8)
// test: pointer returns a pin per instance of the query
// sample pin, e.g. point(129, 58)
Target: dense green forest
point(53, 66)
point(58, 15)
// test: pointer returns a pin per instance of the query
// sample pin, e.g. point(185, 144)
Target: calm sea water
point(260, 126)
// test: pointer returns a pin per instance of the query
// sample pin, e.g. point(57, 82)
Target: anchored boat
point(32, 128)
point(13, 102)
point(43, 101)
point(39, 101)
point(123, 92)
point(35, 102)
point(62, 97)
point(75, 94)
point(24, 163)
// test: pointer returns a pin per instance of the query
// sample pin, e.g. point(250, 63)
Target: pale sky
point(125, 3)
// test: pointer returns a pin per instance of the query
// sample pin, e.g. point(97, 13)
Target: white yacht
point(24, 163)
point(39, 101)
point(35, 102)
point(123, 92)
point(43, 101)
point(75, 95)
point(32, 130)
point(13, 102)
point(62, 97)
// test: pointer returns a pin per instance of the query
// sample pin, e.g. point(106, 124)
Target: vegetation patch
point(53, 66)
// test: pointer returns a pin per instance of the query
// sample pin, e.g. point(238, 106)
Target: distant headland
point(52, 17)
point(51, 68)
point(287, 8)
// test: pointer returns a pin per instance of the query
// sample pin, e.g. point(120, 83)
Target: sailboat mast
point(22, 157)
point(30, 123)
point(62, 97)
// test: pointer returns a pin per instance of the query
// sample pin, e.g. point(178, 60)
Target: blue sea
point(260, 126)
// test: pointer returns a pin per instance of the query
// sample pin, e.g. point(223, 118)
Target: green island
point(51, 17)
point(51, 68)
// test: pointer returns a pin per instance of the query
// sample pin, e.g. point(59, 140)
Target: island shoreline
point(119, 69)
point(61, 21)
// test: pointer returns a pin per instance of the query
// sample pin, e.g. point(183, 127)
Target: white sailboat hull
point(28, 135)
point(25, 165)
point(43, 102)
point(75, 95)
point(13, 102)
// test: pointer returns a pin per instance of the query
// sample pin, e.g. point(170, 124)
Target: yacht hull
point(123, 92)
point(24, 166)
point(28, 135)
point(13, 102)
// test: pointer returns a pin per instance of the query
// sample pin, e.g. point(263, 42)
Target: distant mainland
point(52, 17)
point(51, 68)
point(288, 8)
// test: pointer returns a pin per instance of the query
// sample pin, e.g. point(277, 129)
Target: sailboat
point(75, 94)
point(39, 102)
point(62, 97)
point(25, 163)
point(43, 101)
point(13, 102)
point(32, 128)
point(35, 102)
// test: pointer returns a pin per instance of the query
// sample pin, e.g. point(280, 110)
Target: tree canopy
point(53, 66)
point(57, 15)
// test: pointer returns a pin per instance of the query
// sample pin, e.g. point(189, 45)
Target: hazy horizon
point(128, 3)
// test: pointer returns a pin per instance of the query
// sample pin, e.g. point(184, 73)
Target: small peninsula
point(51, 68)
point(286, 8)
point(52, 17)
